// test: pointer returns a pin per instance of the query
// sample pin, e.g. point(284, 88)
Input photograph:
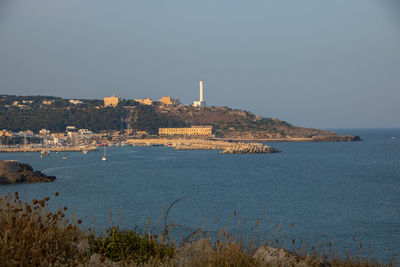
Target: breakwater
point(249, 148)
point(203, 144)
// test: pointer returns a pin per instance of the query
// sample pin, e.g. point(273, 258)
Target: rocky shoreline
point(13, 172)
point(315, 138)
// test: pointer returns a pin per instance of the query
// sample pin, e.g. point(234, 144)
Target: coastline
point(240, 145)
point(47, 149)
point(316, 138)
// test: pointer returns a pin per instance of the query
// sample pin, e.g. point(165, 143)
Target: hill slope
point(29, 113)
point(239, 124)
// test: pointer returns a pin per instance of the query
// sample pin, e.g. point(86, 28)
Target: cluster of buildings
point(113, 101)
point(46, 102)
point(71, 136)
point(78, 136)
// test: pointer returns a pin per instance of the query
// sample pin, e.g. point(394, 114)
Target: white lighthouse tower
point(201, 102)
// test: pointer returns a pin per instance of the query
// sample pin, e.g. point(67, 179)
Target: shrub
point(129, 246)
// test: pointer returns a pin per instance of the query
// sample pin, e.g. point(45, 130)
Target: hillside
point(32, 114)
point(238, 124)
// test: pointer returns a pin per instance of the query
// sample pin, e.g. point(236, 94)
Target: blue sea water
point(330, 191)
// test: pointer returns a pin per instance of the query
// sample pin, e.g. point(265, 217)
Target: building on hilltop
point(145, 101)
point(112, 101)
point(47, 102)
point(75, 101)
point(167, 100)
point(201, 102)
point(192, 131)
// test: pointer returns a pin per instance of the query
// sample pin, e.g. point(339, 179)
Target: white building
point(44, 132)
point(85, 132)
point(75, 101)
point(201, 102)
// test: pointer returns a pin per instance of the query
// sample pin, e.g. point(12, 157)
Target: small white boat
point(393, 137)
point(104, 157)
point(84, 152)
point(44, 153)
point(64, 157)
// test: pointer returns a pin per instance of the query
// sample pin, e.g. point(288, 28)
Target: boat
point(104, 157)
point(84, 152)
point(64, 157)
point(393, 137)
point(44, 153)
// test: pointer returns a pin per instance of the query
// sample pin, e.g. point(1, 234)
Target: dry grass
point(32, 235)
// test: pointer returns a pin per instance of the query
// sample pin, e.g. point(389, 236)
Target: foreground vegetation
point(32, 235)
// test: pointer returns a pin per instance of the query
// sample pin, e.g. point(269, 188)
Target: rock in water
point(12, 172)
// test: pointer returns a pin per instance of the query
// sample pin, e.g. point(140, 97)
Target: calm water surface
point(333, 191)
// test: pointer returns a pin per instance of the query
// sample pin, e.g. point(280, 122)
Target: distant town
point(73, 136)
point(36, 123)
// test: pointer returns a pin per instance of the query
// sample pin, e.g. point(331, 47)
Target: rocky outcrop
point(249, 148)
point(270, 256)
point(335, 138)
point(13, 172)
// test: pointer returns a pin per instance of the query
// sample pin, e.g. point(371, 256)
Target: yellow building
point(167, 100)
point(192, 131)
point(47, 102)
point(145, 101)
point(111, 101)
point(6, 133)
point(58, 135)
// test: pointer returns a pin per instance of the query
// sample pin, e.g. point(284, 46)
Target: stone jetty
point(204, 144)
point(13, 172)
point(249, 148)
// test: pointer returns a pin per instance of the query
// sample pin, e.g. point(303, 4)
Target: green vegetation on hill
point(33, 114)
point(56, 119)
point(146, 118)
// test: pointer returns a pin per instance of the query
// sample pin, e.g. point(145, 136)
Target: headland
point(53, 124)
point(13, 172)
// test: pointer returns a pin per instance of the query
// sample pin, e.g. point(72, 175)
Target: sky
point(312, 63)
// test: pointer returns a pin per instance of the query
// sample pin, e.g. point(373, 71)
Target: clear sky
point(313, 63)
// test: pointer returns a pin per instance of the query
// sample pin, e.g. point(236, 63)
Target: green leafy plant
point(130, 246)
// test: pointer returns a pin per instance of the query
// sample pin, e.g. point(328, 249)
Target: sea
point(347, 193)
